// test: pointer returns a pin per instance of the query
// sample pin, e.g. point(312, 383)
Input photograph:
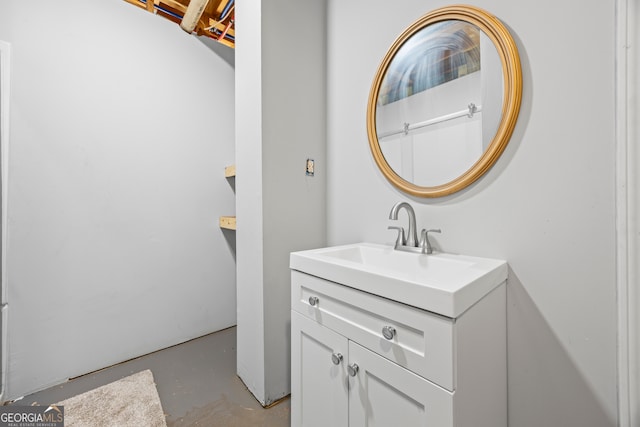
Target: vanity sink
point(442, 283)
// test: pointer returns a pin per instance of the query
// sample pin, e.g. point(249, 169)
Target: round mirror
point(444, 101)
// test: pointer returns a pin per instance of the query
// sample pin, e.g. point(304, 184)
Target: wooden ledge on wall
point(230, 171)
point(228, 222)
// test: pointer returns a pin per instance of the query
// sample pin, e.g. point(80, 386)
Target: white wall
point(280, 122)
point(547, 207)
point(121, 125)
point(249, 205)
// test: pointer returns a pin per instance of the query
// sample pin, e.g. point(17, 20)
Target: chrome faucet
point(409, 242)
point(412, 235)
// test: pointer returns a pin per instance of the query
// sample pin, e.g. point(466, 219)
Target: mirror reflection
point(439, 105)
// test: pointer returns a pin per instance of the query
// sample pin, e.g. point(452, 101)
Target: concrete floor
point(196, 382)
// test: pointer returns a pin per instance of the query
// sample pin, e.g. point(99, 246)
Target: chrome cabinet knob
point(313, 301)
point(336, 358)
point(353, 369)
point(389, 332)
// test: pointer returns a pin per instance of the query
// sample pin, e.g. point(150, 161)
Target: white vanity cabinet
point(414, 367)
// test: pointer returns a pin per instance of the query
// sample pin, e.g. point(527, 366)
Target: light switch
point(310, 167)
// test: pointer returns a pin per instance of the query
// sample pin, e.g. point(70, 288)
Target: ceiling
point(217, 20)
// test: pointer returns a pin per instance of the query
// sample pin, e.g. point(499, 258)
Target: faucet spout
point(412, 234)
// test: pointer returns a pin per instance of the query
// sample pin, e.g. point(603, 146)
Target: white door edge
point(4, 161)
point(627, 210)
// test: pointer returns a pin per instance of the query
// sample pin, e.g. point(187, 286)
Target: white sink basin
point(443, 283)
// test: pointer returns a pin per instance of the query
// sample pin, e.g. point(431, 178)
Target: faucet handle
point(424, 240)
point(400, 240)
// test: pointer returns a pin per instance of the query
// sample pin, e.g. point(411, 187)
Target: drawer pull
point(313, 301)
point(388, 332)
point(353, 369)
point(336, 358)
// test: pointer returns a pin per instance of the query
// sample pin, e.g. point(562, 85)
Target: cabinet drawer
point(422, 343)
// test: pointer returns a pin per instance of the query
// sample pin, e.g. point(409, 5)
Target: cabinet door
point(384, 394)
point(319, 388)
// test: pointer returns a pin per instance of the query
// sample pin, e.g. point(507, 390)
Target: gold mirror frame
point(512, 78)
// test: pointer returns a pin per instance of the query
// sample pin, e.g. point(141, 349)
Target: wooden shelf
point(230, 171)
point(228, 222)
